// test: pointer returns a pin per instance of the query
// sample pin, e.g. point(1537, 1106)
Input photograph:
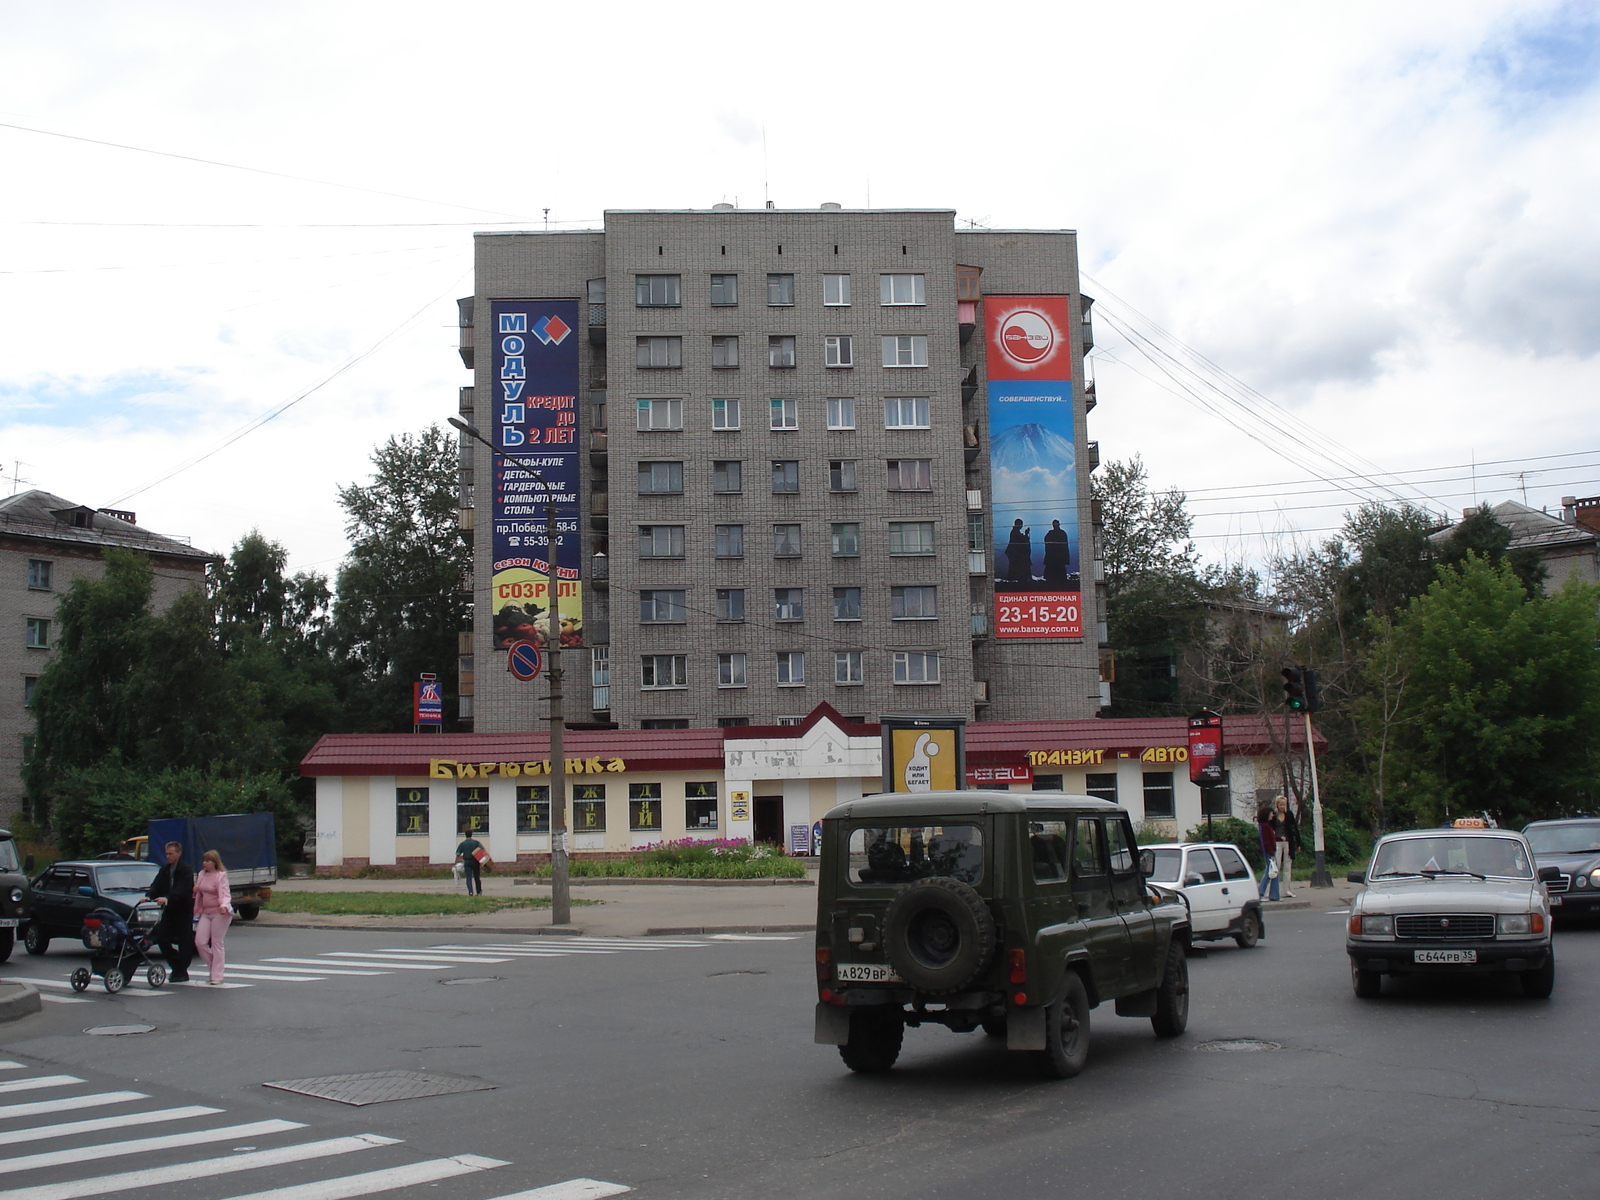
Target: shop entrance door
point(769, 819)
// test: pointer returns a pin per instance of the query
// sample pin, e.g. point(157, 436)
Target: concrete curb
point(681, 930)
point(383, 923)
point(18, 1000)
point(651, 881)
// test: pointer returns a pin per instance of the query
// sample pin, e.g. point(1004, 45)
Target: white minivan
point(1219, 886)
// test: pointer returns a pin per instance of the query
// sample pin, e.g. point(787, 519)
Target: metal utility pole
point(560, 885)
point(1319, 873)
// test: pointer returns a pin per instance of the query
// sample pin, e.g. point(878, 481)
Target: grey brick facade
point(978, 678)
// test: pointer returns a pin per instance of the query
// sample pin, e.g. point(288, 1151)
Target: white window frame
point(909, 664)
point(788, 604)
point(657, 353)
point(835, 534)
point(732, 670)
point(725, 412)
point(847, 667)
point(897, 531)
point(926, 605)
point(907, 412)
point(783, 413)
point(650, 672)
point(645, 287)
point(841, 412)
point(836, 290)
point(791, 668)
point(672, 540)
point(728, 344)
point(905, 350)
point(657, 414)
point(838, 350)
point(902, 291)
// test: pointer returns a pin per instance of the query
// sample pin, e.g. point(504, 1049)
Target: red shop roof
point(410, 753)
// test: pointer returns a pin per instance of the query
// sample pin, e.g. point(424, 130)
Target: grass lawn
point(399, 904)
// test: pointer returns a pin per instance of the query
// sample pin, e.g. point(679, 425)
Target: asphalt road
point(685, 1068)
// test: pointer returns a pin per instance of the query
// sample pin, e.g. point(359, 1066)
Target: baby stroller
point(119, 948)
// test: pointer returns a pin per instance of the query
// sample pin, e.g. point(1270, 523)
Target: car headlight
point(16, 895)
point(1514, 923)
point(1582, 881)
point(1594, 877)
point(1372, 926)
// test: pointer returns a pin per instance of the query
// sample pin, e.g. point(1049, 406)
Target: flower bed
point(721, 858)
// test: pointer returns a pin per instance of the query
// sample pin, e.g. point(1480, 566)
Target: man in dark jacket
point(173, 890)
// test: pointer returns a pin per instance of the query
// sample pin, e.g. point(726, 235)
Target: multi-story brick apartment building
point(800, 456)
point(46, 543)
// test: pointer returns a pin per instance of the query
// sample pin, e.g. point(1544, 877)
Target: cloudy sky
point(1348, 242)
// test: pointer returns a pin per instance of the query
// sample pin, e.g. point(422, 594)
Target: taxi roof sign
point(1470, 823)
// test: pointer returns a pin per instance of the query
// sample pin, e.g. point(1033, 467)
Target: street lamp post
point(560, 890)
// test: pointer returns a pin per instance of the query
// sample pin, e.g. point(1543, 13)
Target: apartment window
point(789, 721)
point(901, 289)
point(842, 475)
point(910, 474)
point(38, 633)
point(724, 291)
point(658, 351)
point(660, 413)
point(977, 533)
point(665, 723)
point(39, 574)
point(913, 603)
point(786, 541)
point(732, 722)
point(661, 541)
point(663, 606)
point(910, 537)
point(847, 604)
point(700, 805)
point(1158, 796)
point(780, 352)
point(533, 808)
point(847, 666)
point(725, 413)
point(783, 413)
point(791, 668)
point(837, 352)
point(410, 810)
point(30, 684)
point(780, 290)
point(644, 802)
point(788, 604)
point(844, 538)
point(905, 412)
point(730, 541)
point(725, 351)
point(656, 291)
point(836, 290)
point(731, 671)
point(664, 671)
point(727, 476)
point(730, 604)
point(1101, 787)
point(661, 479)
point(472, 810)
point(909, 351)
point(916, 666)
point(785, 476)
point(588, 807)
point(841, 412)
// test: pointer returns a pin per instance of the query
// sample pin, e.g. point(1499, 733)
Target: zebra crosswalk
point(68, 1160)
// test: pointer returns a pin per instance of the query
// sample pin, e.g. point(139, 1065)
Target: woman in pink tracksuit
point(214, 906)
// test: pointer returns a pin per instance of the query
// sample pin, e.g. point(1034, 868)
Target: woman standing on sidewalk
point(214, 904)
point(1287, 831)
point(1269, 851)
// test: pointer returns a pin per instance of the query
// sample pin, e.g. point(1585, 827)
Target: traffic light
point(1308, 680)
point(1300, 691)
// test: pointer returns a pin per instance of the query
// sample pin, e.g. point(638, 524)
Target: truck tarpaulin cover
point(244, 841)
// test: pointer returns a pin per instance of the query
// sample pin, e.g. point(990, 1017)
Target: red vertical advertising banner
point(1205, 749)
point(1033, 468)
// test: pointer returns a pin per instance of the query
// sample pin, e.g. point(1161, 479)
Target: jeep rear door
point(1105, 932)
point(1129, 894)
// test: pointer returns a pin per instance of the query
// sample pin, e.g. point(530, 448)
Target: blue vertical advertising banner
point(534, 368)
point(1033, 467)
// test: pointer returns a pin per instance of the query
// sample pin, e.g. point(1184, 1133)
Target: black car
point(67, 892)
point(1572, 847)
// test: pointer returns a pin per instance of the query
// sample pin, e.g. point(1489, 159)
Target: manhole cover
point(118, 1030)
point(379, 1087)
point(1238, 1046)
point(470, 979)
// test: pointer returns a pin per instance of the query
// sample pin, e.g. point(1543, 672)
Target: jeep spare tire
point(939, 935)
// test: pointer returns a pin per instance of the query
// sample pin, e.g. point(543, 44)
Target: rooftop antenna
point(766, 175)
point(547, 220)
point(1522, 479)
point(16, 475)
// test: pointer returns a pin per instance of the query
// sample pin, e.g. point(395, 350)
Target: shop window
point(533, 809)
point(472, 811)
point(644, 807)
point(700, 806)
point(410, 810)
point(1102, 787)
point(1158, 796)
point(1047, 783)
point(589, 808)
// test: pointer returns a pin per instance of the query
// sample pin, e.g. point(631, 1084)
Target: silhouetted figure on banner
point(1056, 553)
point(1019, 553)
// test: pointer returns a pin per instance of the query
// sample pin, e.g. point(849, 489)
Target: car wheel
point(1249, 931)
point(1066, 1032)
point(995, 1027)
point(249, 913)
point(1538, 984)
point(35, 940)
point(938, 934)
point(1172, 995)
point(1368, 985)
point(114, 980)
point(875, 1038)
point(8, 943)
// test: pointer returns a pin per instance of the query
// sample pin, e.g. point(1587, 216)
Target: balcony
point(969, 385)
point(600, 570)
point(1092, 457)
point(974, 500)
point(976, 564)
point(464, 524)
point(1089, 400)
point(599, 449)
point(980, 691)
point(600, 509)
point(601, 701)
point(1085, 303)
point(969, 440)
point(597, 324)
point(980, 621)
point(464, 401)
point(464, 322)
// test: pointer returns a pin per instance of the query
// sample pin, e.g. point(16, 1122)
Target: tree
point(400, 602)
point(1501, 707)
point(1480, 532)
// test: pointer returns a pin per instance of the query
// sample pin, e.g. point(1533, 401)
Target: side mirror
point(1549, 874)
point(27, 864)
point(1356, 876)
point(86, 890)
point(1147, 863)
point(1192, 879)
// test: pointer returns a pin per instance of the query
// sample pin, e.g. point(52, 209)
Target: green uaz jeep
point(1016, 913)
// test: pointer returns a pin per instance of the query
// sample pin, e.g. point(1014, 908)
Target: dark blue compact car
point(67, 892)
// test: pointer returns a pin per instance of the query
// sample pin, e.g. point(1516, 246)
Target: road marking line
point(1337, 912)
point(170, 1141)
point(39, 1108)
point(401, 956)
point(201, 983)
point(754, 937)
point(379, 1181)
point(8, 1065)
point(65, 1000)
point(95, 1124)
point(534, 953)
point(572, 1189)
point(261, 973)
point(204, 1168)
point(623, 943)
point(303, 970)
point(41, 1081)
point(336, 962)
point(50, 983)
